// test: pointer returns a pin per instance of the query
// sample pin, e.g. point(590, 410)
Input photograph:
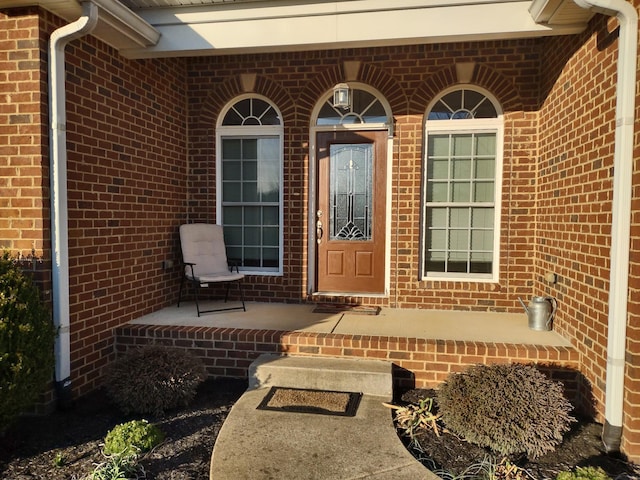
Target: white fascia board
point(117, 25)
point(206, 31)
point(122, 28)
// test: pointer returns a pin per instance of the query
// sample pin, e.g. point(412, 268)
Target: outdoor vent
point(559, 12)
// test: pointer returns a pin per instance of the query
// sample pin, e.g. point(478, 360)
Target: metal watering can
point(540, 312)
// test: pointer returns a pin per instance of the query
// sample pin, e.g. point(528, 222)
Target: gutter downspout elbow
point(621, 213)
point(58, 179)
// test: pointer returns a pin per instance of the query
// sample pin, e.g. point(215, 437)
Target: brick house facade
point(141, 138)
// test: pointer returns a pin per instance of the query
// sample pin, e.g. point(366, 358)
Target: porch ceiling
point(212, 27)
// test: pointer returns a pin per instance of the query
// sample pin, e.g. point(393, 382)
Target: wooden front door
point(350, 213)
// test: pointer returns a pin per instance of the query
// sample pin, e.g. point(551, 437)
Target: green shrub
point(584, 473)
point(26, 342)
point(511, 409)
point(134, 437)
point(153, 379)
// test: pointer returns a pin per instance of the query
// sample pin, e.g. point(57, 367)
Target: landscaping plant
point(26, 341)
point(509, 408)
point(584, 473)
point(153, 379)
point(118, 467)
point(411, 417)
point(134, 437)
point(122, 448)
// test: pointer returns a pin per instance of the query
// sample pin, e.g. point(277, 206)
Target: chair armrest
point(190, 265)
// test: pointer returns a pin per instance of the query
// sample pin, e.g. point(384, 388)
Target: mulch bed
point(31, 448)
point(582, 447)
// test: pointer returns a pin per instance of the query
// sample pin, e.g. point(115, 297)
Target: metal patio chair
point(205, 262)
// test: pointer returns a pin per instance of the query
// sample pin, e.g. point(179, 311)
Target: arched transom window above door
point(249, 180)
point(364, 108)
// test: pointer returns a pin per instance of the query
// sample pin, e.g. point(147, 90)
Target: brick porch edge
point(418, 362)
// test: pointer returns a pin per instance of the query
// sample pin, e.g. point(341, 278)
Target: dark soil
point(67, 445)
point(30, 449)
point(451, 457)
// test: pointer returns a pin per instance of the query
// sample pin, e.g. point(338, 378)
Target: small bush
point(584, 473)
point(153, 379)
point(489, 468)
point(511, 409)
point(134, 437)
point(118, 467)
point(26, 342)
point(415, 416)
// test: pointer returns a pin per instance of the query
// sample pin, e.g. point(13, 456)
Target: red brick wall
point(23, 141)
point(417, 362)
point(126, 176)
point(577, 125)
point(409, 78)
point(127, 195)
point(24, 168)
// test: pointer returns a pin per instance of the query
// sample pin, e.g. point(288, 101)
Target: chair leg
point(196, 287)
point(243, 307)
point(180, 293)
point(226, 294)
point(241, 295)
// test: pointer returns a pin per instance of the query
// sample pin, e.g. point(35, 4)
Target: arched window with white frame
point(249, 183)
point(462, 179)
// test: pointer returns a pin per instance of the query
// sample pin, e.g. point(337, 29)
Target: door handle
point(319, 230)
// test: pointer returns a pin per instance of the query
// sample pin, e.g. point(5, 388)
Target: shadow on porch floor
point(508, 328)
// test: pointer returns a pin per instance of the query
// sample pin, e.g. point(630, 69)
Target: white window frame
point(465, 126)
point(252, 131)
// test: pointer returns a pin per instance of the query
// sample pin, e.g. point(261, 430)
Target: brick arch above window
point(504, 90)
point(220, 96)
point(386, 84)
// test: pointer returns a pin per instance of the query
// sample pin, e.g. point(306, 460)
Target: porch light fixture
point(341, 96)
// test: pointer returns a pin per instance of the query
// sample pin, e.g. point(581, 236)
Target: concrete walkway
point(262, 445)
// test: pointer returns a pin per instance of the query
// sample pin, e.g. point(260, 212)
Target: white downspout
point(58, 175)
point(621, 220)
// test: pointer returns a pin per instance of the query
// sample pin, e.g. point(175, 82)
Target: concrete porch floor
point(508, 328)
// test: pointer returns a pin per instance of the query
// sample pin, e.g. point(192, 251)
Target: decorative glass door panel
point(350, 191)
point(350, 213)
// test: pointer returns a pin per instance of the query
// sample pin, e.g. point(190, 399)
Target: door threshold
point(349, 294)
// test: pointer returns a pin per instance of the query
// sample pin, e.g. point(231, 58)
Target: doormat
point(355, 309)
point(322, 402)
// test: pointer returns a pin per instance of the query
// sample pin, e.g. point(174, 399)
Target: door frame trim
point(311, 248)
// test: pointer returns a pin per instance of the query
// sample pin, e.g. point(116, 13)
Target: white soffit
point(216, 27)
point(269, 26)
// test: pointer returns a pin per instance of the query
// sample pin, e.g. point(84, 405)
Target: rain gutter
point(59, 219)
point(116, 25)
point(621, 209)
